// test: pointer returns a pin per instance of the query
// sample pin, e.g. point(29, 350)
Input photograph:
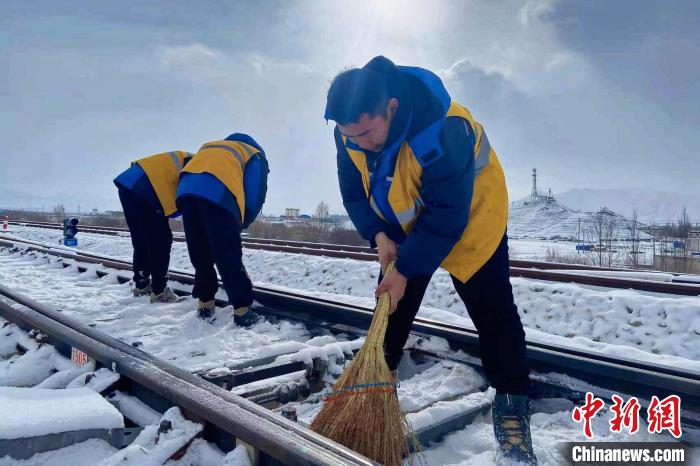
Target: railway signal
point(70, 229)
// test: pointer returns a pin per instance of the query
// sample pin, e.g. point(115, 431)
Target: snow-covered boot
point(145, 291)
point(244, 317)
point(205, 309)
point(511, 424)
point(167, 296)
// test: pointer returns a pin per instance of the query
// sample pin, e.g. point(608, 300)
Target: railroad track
point(223, 415)
point(546, 271)
point(560, 372)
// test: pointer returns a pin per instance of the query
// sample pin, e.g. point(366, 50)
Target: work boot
point(244, 317)
point(205, 309)
point(145, 291)
point(511, 424)
point(167, 296)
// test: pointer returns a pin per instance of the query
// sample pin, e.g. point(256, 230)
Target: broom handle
point(377, 330)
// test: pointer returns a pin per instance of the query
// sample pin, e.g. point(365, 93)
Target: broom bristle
point(363, 412)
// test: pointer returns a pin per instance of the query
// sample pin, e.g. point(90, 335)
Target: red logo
point(665, 415)
point(586, 412)
point(626, 415)
point(661, 415)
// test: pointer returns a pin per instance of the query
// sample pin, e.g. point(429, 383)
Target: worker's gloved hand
point(395, 283)
point(386, 249)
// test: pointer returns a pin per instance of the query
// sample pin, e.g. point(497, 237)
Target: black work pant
point(488, 296)
point(214, 237)
point(151, 238)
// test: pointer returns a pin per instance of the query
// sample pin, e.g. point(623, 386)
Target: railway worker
point(147, 194)
point(221, 192)
point(422, 184)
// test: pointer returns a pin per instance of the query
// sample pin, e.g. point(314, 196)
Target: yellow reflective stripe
point(248, 149)
point(375, 208)
point(482, 154)
point(176, 160)
point(410, 214)
point(229, 149)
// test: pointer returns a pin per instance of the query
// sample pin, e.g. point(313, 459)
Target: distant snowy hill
point(657, 206)
point(552, 220)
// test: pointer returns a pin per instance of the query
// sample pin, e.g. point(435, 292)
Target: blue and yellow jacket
point(437, 188)
point(154, 179)
point(231, 173)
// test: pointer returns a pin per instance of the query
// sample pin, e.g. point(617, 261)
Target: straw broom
point(362, 412)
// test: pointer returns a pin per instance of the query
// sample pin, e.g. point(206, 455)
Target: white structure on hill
point(535, 196)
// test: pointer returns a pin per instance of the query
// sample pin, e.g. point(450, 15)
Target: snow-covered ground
point(663, 329)
point(635, 325)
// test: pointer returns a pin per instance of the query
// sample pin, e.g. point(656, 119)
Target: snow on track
point(172, 332)
point(654, 327)
point(65, 401)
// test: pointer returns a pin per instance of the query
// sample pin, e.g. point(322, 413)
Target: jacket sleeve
point(366, 221)
point(447, 187)
point(255, 187)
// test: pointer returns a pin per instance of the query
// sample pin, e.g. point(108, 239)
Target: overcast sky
point(595, 94)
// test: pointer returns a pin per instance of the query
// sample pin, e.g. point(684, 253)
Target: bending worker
point(421, 182)
point(147, 193)
point(221, 192)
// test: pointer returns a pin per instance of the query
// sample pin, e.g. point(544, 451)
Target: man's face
point(370, 133)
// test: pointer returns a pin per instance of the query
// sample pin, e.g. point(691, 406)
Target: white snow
point(32, 367)
point(441, 381)
point(238, 457)
point(62, 378)
point(32, 412)
point(444, 409)
point(134, 409)
point(170, 331)
point(97, 381)
point(90, 452)
point(151, 448)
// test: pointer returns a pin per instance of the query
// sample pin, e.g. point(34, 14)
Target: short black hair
point(357, 91)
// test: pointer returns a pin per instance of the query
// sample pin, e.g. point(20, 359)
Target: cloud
point(533, 11)
point(265, 65)
point(470, 83)
point(187, 55)
point(589, 92)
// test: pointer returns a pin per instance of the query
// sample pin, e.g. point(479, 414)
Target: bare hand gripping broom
point(362, 412)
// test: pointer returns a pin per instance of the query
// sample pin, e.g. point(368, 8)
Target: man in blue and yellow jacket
point(421, 182)
point(147, 193)
point(221, 192)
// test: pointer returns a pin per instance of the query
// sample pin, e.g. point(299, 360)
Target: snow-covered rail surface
point(91, 288)
point(657, 282)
